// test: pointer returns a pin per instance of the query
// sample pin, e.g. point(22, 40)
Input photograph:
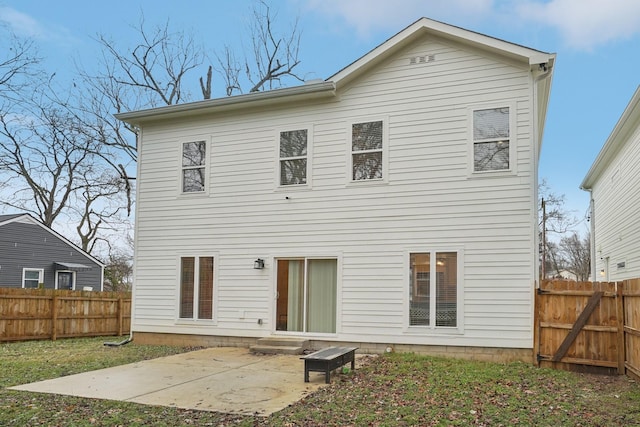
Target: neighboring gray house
point(31, 253)
point(614, 183)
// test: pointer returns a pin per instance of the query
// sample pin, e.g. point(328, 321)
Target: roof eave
point(255, 99)
point(628, 121)
point(439, 29)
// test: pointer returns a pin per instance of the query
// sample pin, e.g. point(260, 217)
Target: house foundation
point(485, 354)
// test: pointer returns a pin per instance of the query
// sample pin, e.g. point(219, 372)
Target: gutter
point(307, 91)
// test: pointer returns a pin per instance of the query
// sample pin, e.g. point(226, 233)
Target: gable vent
point(423, 59)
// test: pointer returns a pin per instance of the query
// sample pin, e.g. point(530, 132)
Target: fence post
point(536, 325)
point(120, 315)
point(54, 317)
point(622, 351)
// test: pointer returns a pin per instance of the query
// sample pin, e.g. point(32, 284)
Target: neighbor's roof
point(627, 124)
point(9, 217)
point(27, 218)
point(327, 89)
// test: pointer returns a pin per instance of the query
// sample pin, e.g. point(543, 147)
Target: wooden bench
point(327, 360)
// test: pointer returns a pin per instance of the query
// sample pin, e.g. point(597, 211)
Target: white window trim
point(40, 275)
point(303, 255)
point(385, 151)
point(207, 166)
point(513, 136)
point(195, 321)
point(73, 273)
point(432, 329)
point(308, 185)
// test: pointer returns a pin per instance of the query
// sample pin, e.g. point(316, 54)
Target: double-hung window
point(32, 277)
point(367, 150)
point(194, 156)
point(433, 289)
point(491, 140)
point(196, 288)
point(293, 157)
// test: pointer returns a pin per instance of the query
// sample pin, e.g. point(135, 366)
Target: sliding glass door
point(306, 295)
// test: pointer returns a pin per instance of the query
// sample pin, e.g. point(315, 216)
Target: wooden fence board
point(631, 293)
point(576, 333)
point(578, 325)
point(593, 302)
point(27, 314)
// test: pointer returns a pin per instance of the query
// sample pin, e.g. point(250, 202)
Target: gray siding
point(27, 245)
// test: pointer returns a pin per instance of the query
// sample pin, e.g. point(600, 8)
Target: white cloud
point(368, 16)
point(582, 24)
point(20, 23)
point(586, 24)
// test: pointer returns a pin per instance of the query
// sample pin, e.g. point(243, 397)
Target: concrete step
point(276, 349)
point(280, 345)
point(284, 341)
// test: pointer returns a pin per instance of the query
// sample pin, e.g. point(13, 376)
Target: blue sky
point(597, 43)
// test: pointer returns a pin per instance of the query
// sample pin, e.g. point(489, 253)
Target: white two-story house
point(614, 183)
point(390, 205)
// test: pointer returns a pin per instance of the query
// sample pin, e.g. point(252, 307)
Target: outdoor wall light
point(258, 264)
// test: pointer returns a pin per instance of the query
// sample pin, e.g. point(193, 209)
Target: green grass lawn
point(390, 390)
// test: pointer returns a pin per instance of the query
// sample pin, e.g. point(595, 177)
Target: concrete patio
point(222, 379)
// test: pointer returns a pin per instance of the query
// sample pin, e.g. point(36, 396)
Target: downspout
point(123, 342)
point(545, 69)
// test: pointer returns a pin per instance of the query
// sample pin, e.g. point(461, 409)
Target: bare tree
point(97, 208)
point(576, 252)
point(156, 67)
point(55, 170)
point(41, 157)
point(229, 70)
point(554, 259)
point(159, 68)
point(554, 222)
point(18, 65)
point(556, 219)
point(149, 74)
point(274, 56)
point(118, 273)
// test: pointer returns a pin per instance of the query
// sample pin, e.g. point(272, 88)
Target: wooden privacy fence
point(590, 327)
point(32, 314)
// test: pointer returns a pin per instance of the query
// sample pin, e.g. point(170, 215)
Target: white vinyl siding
point(617, 223)
point(427, 201)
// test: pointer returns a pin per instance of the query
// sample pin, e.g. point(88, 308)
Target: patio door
point(306, 295)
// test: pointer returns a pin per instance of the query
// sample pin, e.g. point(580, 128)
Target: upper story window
point(293, 157)
point(193, 166)
point(491, 137)
point(367, 150)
